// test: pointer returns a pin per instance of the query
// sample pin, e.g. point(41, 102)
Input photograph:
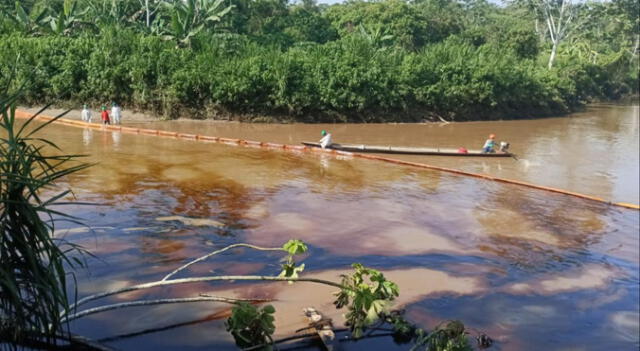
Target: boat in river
point(410, 150)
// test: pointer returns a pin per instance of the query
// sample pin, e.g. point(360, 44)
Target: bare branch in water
point(203, 279)
point(158, 302)
point(202, 258)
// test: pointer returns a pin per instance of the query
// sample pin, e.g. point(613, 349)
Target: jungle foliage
point(389, 60)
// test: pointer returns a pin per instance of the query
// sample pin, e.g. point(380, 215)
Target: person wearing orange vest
point(105, 115)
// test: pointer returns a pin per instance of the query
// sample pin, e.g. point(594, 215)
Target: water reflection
point(115, 136)
point(324, 162)
point(87, 136)
point(588, 277)
point(513, 262)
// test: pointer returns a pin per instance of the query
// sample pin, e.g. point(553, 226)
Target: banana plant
point(376, 35)
point(190, 17)
point(114, 12)
point(29, 23)
point(65, 21)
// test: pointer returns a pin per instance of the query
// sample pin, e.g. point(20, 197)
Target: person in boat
point(489, 144)
point(86, 114)
point(115, 113)
point(105, 115)
point(326, 139)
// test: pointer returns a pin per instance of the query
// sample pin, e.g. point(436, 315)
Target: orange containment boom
point(298, 148)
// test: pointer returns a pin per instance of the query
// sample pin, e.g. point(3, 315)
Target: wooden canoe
point(409, 150)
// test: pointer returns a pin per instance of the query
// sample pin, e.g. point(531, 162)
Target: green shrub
point(356, 78)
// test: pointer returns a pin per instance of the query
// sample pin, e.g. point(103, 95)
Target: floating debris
point(323, 326)
point(196, 222)
point(484, 341)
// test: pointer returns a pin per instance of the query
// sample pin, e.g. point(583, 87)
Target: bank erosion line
point(302, 148)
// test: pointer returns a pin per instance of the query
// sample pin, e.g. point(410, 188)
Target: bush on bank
point(353, 78)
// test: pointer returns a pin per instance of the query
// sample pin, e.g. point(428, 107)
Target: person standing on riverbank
point(115, 113)
point(326, 139)
point(489, 144)
point(86, 114)
point(105, 115)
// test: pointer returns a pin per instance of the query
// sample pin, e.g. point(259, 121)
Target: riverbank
point(136, 115)
point(75, 114)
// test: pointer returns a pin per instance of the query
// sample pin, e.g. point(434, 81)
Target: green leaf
point(289, 270)
point(21, 13)
point(295, 247)
point(269, 309)
point(250, 326)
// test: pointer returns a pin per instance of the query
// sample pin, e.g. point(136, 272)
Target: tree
point(559, 16)
point(443, 18)
point(149, 8)
point(626, 14)
point(400, 19)
point(148, 12)
point(305, 23)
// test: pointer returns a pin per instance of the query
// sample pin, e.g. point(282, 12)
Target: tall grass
point(33, 263)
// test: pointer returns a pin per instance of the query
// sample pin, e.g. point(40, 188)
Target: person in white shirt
point(115, 113)
point(86, 114)
point(326, 139)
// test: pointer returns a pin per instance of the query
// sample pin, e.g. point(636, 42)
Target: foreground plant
point(451, 336)
point(365, 292)
point(251, 326)
point(33, 264)
point(367, 295)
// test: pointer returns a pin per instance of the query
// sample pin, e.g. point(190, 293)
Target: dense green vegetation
point(388, 60)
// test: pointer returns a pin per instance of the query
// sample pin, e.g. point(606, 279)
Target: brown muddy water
point(534, 270)
point(594, 152)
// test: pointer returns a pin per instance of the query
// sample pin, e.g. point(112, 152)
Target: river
point(594, 152)
point(534, 270)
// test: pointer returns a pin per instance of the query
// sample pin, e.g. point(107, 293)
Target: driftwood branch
point(202, 258)
point(199, 280)
point(442, 119)
point(323, 327)
point(157, 302)
point(88, 344)
point(315, 336)
point(289, 338)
